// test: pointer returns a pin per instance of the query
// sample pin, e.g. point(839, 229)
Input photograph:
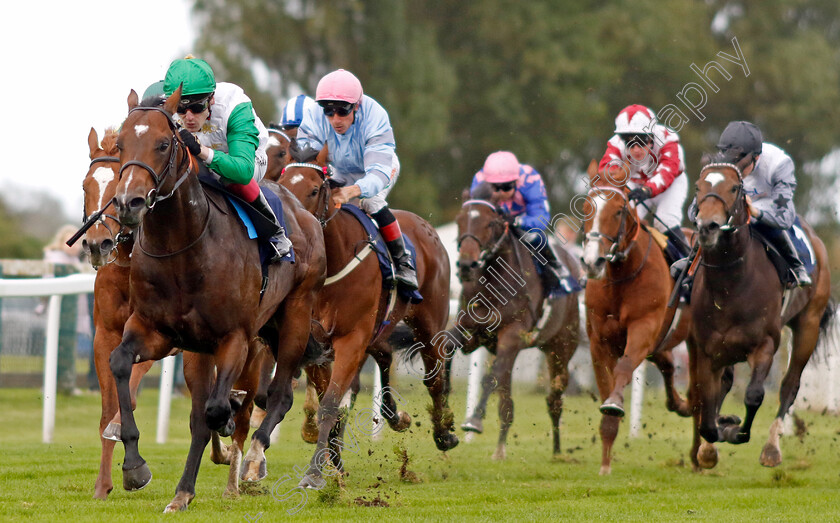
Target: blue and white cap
point(293, 111)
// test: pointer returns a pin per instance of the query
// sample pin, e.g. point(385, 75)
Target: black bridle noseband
point(485, 253)
point(737, 204)
point(153, 197)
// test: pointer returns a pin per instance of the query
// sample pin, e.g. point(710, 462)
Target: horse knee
point(754, 396)
point(709, 434)
point(217, 414)
point(120, 363)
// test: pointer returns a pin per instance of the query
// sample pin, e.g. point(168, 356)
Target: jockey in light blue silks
point(362, 151)
point(518, 190)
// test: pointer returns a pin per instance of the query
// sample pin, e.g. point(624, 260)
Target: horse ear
point(592, 170)
point(171, 104)
point(323, 155)
point(133, 100)
point(465, 194)
point(93, 142)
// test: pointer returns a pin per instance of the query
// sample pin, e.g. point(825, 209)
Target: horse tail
point(402, 337)
point(826, 347)
point(827, 318)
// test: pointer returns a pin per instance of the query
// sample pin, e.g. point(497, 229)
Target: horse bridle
point(153, 197)
point(485, 253)
point(123, 235)
point(614, 255)
point(324, 173)
point(739, 197)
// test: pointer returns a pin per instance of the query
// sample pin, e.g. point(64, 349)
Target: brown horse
point(278, 152)
point(195, 283)
point(737, 298)
point(627, 291)
point(504, 308)
point(357, 315)
point(110, 245)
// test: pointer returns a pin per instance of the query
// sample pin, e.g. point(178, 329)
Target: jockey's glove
point(190, 142)
point(640, 194)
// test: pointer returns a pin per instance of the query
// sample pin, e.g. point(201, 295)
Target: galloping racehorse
point(626, 296)
point(110, 250)
point(504, 308)
point(738, 313)
point(196, 283)
point(110, 245)
point(358, 315)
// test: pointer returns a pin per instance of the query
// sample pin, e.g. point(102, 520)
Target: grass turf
point(404, 477)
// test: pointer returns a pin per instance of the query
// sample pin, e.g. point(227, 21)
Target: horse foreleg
point(557, 359)
point(603, 361)
point(639, 346)
point(230, 357)
point(138, 344)
point(760, 360)
point(105, 340)
point(509, 347)
point(112, 431)
point(349, 355)
point(489, 382)
point(664, 361)
point(314, 376)
point(703, 454)
point(198, 375)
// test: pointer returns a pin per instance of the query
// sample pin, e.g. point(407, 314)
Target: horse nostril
point(136, 203)
point(107, 246)
point(474, 264)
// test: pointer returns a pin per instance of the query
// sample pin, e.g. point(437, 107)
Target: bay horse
point(195, 283)
point(627, 291)
point(109, 246)
point(278, 152)
point(357, 315)
point(738, 315)
point(504, 308)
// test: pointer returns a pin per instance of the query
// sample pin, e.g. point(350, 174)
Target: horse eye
point(163, 146)
point(314, 192)
point(734, 189)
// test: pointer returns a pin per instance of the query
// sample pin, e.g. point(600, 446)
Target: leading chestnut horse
point(738, 315)
point(504, 308)
point(109, 246)
point(358, 314)
point(627, 291)
point(195, 283)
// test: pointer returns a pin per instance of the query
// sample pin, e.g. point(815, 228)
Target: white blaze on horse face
point(473, 214)
point(103, 176)
point(140, 130)
point(592, 249)
point(714, 178)
point(273, 142)
point(296, 179)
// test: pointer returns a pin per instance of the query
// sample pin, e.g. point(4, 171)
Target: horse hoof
point(612, 408)
point(730, 419)
point(112, 432)
point(179, 503)
point(771, 456)
point(137, 478)
point(252, 471)
point(446, 441)
point(732, 434)
point(402, 422)
point(313, 482)
point(473, 425)
point(228, 429)
point(707, 456)
point(309, 434)
point(605, 470)
point(500, 454)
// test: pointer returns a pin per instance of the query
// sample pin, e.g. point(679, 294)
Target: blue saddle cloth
point(245, 218)
point(803, 247)
point(382, 254)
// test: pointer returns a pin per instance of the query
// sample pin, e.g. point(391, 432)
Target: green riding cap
point(196, 75)
point(156, 89)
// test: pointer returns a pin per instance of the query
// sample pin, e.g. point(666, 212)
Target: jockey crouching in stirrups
point(362, 151)
point(519, 191)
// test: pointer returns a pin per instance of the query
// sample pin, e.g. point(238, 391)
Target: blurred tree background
point(545, 79)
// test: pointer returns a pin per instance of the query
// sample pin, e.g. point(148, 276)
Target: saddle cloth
point(803, 248)
point(378, 243)
point(254, 223)
point(567, 285)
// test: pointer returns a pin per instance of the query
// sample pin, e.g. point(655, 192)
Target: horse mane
point(482, 191)
point(109, 141)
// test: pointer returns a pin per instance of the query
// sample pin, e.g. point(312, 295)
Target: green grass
point(652, 478)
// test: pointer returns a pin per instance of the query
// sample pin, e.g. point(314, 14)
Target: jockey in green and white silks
point(220, 128)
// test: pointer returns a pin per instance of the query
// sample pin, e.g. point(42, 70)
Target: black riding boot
point(278, 241)
point(677, 247)
point(784, 245)
point(405, 273)
point(553, 272)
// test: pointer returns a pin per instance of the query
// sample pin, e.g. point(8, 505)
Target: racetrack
point(651, 480)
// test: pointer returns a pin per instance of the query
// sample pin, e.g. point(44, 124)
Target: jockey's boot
point(553, 271)
point(783, 243)
point(677, 247)
point(389, 227)
point(279, 242)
